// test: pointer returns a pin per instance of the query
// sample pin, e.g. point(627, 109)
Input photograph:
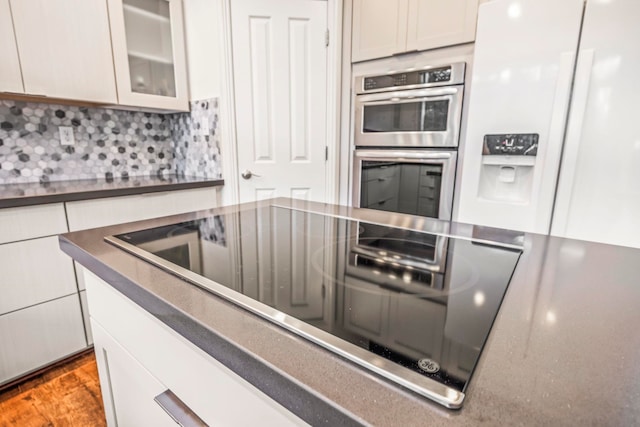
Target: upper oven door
point(409, 118)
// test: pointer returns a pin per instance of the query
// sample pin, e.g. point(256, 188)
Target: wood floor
point(68, 395)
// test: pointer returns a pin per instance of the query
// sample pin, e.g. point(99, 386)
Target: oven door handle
point(409, 95)
point(402, 155)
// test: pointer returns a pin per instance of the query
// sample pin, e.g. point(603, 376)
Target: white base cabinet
point(134, 371)
point(43, 310)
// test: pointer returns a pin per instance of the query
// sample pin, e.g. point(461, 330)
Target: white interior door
point(280, 68)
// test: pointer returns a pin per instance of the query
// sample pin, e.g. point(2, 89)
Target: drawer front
point(208, 388)
point(32, 221)
point(34, 271)
point(430, 176)
point(428, 207)
point(380, 173)
point(427, 192)
point(388, 205)
point(117, 210)
point(382, 189)
point(39, 335)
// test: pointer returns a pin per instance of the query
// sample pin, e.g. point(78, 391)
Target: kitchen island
point(562, 350)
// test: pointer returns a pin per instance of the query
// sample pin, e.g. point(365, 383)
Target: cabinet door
point(29, 222)
point(416, 326)
point(379, 28)
point(84, 214)
point(149, 53)
point(34, 271)
point(10, 74)
point(128, 389)
point(38, 335)
point(65, 49)
point(366, 309)
point(437, 23)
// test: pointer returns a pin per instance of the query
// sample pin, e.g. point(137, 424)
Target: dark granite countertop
point(564, 348)
point(35, 193)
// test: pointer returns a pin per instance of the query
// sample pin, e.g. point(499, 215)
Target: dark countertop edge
point(20, 201)
point(300, 400)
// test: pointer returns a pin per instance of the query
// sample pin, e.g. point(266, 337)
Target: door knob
point(247, 174)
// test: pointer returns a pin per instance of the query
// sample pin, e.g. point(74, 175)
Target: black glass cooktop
point(412, 306)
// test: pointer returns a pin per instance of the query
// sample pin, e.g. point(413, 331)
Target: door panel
point(598, 195)
point(39, 335)
point(280, 85)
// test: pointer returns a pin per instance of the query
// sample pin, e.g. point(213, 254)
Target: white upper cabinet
point(64, 48)
point(149, 53)
point(388, 27)
point(435, 23)
point(379, 28)
point(10, 74)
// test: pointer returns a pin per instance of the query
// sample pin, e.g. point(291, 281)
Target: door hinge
point(326, 37)
point(326, 153)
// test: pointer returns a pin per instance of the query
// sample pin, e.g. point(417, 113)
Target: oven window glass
point(412, 188)
point(423, 116)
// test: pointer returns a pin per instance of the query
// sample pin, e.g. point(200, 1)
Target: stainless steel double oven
point(407, 126)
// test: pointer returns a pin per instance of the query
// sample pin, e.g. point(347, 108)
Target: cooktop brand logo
point(428, 365)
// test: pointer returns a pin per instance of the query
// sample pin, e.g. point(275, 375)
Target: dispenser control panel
point(512, 144)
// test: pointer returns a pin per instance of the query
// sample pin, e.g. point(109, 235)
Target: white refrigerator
point(563, 76)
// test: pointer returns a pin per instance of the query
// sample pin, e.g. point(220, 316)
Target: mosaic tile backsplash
point(108, 143)
point(196, 142)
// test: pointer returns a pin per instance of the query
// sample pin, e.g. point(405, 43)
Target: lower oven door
point(417, 182)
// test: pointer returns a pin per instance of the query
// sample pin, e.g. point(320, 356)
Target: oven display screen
point(410, 188)
point(422, 116)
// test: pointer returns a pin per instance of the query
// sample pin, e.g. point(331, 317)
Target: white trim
point(334, 113)
point(146, 13)
point(346, 130)
point(228, 141)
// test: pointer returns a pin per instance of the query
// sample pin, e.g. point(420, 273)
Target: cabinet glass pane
point(149, 47)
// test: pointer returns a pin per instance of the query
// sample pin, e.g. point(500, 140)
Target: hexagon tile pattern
point(108, 143)
point(196, 142)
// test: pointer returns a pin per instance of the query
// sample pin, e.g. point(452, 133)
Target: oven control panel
point(435, 75)
point(511, 144)
point(414, 78)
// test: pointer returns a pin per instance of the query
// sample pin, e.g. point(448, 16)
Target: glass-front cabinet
point(149, 53)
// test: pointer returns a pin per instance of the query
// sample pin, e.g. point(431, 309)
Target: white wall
point(203, 34)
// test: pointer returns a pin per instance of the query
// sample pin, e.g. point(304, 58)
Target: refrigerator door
point(522, 74)
point(598, 195)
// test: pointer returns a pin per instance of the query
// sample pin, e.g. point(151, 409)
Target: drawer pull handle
point(178, 410)
point(383, 179)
